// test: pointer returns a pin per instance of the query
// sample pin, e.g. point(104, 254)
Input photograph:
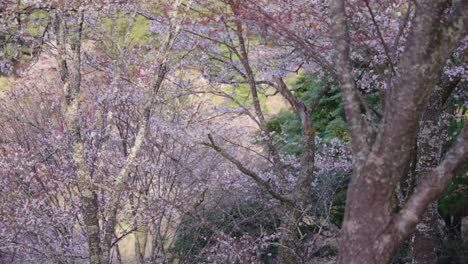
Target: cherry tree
point(431, 41)
point(389, 44)
point(121, 135)
point(233, 60)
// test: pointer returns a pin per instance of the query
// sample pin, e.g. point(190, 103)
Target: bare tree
point(295, 198)
point(70, 74)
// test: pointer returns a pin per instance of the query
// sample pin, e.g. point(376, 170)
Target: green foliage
point(19, 48)
point(454, 201)
point(328, 116)
point(287, 124)
point(118, 26)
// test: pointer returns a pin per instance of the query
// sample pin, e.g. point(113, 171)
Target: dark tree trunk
point(425, 242)
point(464, 235)
point(429, 153)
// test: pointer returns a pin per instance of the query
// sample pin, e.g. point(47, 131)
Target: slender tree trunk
point(261, 121)
point(139, 256)
point(117, 253)
point(291, 243)
point(143, 123)
point(70, 75)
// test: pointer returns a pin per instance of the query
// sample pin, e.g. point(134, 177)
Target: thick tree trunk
point(371, 231)
point(464, 234)
point(288, 249)
point(425, 240)
point(366, 217)
point(429, 153)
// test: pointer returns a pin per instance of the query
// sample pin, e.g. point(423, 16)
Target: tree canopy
point(233, 131)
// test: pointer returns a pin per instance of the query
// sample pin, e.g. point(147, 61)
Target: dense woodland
point(234, 131)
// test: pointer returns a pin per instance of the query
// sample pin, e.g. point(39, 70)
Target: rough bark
point(429, 149)
point(306, 174)
point(371, 232)
point(425, 241)
point(289, 248)
point(70, 74)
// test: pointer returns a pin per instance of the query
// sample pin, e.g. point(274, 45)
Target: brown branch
point(264, 184)
point(305, 177)
point(431, 187)
point(293, 101)
point(357, 125)
point(244, 58)
point(306, 46)
point(379, 33)
point(403, 25)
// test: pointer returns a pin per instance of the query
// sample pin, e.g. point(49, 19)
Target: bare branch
point(403, 25)
point(244, 58)
point(357, 125)
point(293, 101)
point(386, 49)
point(305, 177)
point(265, 184)
point(431, 187)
